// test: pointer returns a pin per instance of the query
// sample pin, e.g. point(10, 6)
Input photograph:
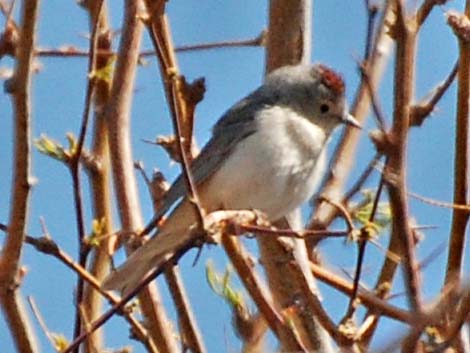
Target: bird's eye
point(324, 108)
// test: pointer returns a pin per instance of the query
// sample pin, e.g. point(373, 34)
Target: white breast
point(274, 170)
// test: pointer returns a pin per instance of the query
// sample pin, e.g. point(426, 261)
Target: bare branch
point(19, 87)
point(461, 26)
point(128, 204)
point(420, 111)
point(343, 157)
point(71, 51)
point(425, 10)
point(244, 266)
point(74, 166)
point(395, 177)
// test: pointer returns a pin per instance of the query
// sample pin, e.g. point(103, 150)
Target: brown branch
point(175, 86)
point(461, 317)
point(243, 264)
point(405, 32)
point(144, 283)
point(425, 10)
point(19, 88)
point(99, 173)
point(71, 51)
point(289, 37)
point(276, 232)
point(343, 157)
point(48, 246)
point(362, 244)
point(289, 42)
point(182, 99)
point(128, 205)
point(461, 26)
point(421, 111)
point(74, 165)
point(378, 113)
point(356, 187)
point(190, 333)
point(368, 299)
point(315, 306)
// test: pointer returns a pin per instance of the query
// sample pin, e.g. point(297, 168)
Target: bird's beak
point(348, 119)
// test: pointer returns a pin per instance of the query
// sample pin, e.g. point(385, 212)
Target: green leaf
point(105, 73)
point(52, 148)
point(60, 341)
point(383, 215)
point(98, 228)
point(220, 285)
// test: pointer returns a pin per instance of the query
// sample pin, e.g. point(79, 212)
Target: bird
point(267, 153)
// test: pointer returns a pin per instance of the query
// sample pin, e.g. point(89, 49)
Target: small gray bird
point(267, 153)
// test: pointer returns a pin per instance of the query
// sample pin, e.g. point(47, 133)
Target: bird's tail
point(173, 236)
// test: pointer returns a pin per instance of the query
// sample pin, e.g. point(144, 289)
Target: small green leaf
point(221, 286)
point(52, 148)
point(60, 341)
point(98, 228)
point(106, 72)
point(72, 141)
point(382, 217)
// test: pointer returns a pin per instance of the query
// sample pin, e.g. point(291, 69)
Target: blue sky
point(338, 34)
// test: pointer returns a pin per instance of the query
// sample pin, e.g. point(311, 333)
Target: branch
point(19, 87)
point(48, 246)
point(425, 10)
point(368, 299)
point(362, 243)
point(71, 51)
point(99, 171)
point(128, 205)
point(421, 111)
point(395, 167)
point(190, 332)
point(176, 88)
point(344, 155)
point(74, 166)
point(461, 27)
point(243, 264)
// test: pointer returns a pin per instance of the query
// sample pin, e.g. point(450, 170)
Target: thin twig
point(276, 232)
point(458, 321)
point(378, 112)
point(362, 244)
point(190, 332)
point(368, 299)
point(422, 110)
point(372, 11)
point(42, 322)
point(356, 187)
point(72, 51)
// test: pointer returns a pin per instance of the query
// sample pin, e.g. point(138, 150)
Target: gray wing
point(235, 125)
